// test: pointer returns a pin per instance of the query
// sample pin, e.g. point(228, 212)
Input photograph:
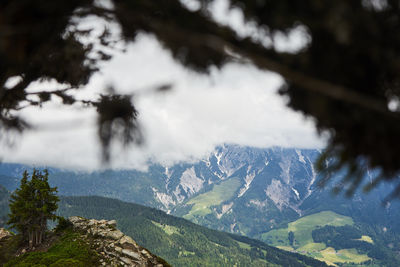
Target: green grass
point(69, 250)
point(351, 255)
point(287, 248)
point(367, 239)
point(244, 245)
point(220, 193)
point(8, 248)
point(304, 243)
point(278, 237)
point(312, 247)
point(303, 227)
point(331, 256)
point(168, 229)
point(186, 253)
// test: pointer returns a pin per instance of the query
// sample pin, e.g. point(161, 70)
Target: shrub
point(62, 225)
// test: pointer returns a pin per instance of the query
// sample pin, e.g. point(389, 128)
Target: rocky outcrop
point(4, 234)
point(114, 248)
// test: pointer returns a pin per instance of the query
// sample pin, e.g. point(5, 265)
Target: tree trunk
point(30, 238)
point(41, 236)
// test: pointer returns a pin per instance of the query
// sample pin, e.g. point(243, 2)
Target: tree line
point(32, 205)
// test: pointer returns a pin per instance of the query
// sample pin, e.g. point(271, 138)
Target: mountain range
point(180, 241)
point(242, 190)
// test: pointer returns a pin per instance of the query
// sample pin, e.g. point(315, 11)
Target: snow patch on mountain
point(218, 156)
point(301, 157)
point(296, 192)
point(230, 159)
point(248, 179)
point(313, 178)
point(285, 166)
point(266, 162)
point(220, 176)
point(168, 173)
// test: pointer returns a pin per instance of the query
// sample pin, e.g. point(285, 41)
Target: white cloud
point(237, 104)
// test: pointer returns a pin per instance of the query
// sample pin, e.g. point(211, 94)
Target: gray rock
point(114, 247)
point(75, 219)
point(131, 254)
point(114, 234)
point(126, 260)
point(145, 252)
point(126, 239)
point(112, 223)
point(4, 233)
point(128, 243)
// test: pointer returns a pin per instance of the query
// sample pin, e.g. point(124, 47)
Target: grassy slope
point(304, 243)
point(329, 255)
point(303, 227)
point(69, 249)
point(202, 203)
point(367, 239)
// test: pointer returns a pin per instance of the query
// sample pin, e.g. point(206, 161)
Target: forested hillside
point(179, 241)
point(247, 191)
point(280, 182)
point(233, 183)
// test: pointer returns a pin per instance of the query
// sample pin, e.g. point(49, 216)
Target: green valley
point(265, 194)
point(326, 236)
point(302, 229)
point(179, 241)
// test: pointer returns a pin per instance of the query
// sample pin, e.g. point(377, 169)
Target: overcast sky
point(237, 104)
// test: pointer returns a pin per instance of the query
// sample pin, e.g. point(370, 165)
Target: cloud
point(237, 104)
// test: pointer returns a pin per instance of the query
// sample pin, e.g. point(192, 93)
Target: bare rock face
point(115, 248)
point(4, 234)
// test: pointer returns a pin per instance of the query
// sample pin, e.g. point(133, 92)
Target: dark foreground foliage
point(346, 75)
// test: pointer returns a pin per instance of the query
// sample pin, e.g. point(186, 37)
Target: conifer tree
point(31, 205)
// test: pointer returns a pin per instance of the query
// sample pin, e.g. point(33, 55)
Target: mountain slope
point(243, 190)
point(273, 187)
point(179, 241)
